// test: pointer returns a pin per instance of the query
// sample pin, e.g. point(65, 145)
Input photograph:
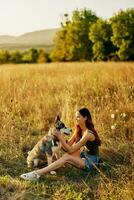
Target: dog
point(48, 147)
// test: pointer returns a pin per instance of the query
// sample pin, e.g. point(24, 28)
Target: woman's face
point(80, 120)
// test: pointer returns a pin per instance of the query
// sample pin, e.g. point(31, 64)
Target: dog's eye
point(62, 124)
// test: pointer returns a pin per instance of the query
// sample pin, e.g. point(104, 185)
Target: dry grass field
point(30, 98)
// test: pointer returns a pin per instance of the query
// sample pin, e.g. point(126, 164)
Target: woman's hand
point(57, 133)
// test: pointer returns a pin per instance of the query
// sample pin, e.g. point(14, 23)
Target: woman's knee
point(66, 157)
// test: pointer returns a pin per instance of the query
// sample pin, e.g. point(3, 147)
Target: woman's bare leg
point(66, 158)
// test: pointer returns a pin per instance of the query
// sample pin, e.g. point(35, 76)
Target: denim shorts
point(90, 160)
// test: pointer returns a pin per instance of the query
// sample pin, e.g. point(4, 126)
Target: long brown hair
point(89, 124)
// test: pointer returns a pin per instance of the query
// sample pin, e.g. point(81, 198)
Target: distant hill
point(36, 39)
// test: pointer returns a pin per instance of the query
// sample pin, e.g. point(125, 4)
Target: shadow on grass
point(113, 166)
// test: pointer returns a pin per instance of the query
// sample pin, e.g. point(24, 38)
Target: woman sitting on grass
point(85, 135)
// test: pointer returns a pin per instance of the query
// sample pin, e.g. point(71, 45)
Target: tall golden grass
point(30, 98)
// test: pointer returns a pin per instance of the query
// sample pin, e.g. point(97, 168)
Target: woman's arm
point(71, 140)
point(70, 149)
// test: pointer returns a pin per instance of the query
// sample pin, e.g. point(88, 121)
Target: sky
point(21, 16)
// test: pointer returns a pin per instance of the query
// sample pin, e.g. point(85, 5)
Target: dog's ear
point(57, 118)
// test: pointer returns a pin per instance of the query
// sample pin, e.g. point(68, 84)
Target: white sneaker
point(31, 176)
point(53, 172)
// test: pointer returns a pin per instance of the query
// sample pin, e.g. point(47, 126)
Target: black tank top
point(93, 147)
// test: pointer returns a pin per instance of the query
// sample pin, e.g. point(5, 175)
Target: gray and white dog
point(48, 146)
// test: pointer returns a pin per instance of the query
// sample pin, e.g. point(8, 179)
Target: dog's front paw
point(53, 172)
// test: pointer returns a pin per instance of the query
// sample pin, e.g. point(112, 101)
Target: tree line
point(85, 36)
point(29, 56)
